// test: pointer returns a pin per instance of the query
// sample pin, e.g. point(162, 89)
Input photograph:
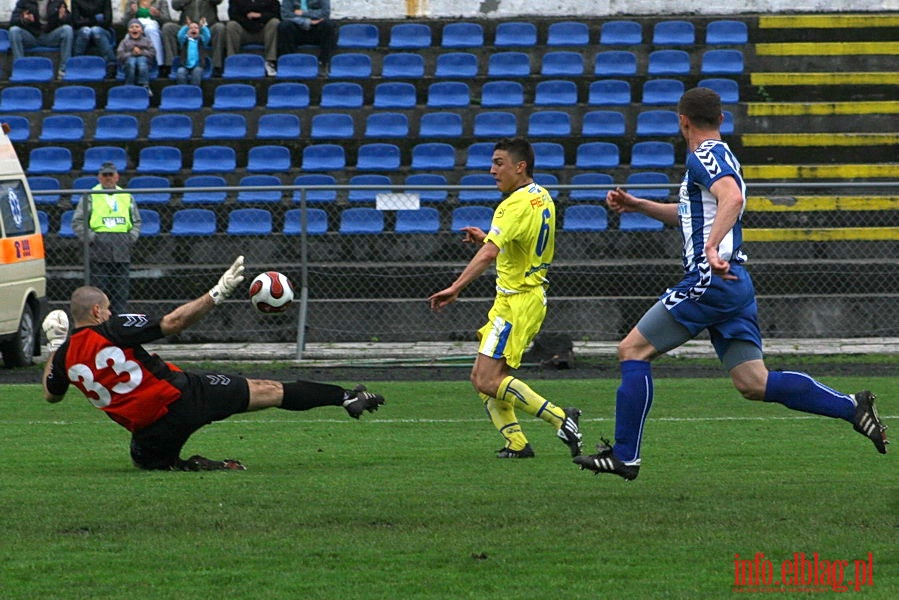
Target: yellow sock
point(518, 392)
point(502, 414)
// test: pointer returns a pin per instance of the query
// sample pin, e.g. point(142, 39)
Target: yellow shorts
point(513, 321)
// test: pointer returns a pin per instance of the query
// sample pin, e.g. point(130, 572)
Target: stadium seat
point(368, 195)
point(603, 123)
point(31, 69)
point(502, 94)
point(395, 94)
point(4, 40)
point(19, 127)
point(316, 221)
point(515, 33)
point(386, 125)
point(358, 35)
point(562, 63)
point(668, 62)
point(214, 159)
point(609, 92)
point(479, 156)
point(423, 220)
point(278, 126)
point(204, 181)
point(21, 98)
point(462, 35)
point(128, 98)
point(615, 63)
point(159, 159)
point(409, 36)
point(471, 216)
point(176, 64)
point(673, 33)
point(456, 65)
point(173, 126)
point(726, 32)
point(652, 155)
point(721, 62)
point(585, 217)
point(546, 180)
point(95, 157)
point(249, 221)
point(323, 157)
point(225, 126)
point(378, 157)
point(341, 95)
point(62, 128)
point(509, 64)
point(149, 222)
point(590, 195)
point(74, 98)
point(116, 128)
point(657, 123)
point(433, 156)
point(351, 65)
point(44, 182)
point(313, 194)
point(448, 94)
point(43, 220)
point(648, 177)
point(85, 68)
point(361, 220)
point(662, 92)
point(495, 124)
point(332, 126)
point(244, 66)
point(149, 182)
point(728, 89)
point(181, 98)
point(65, 224)
point(440, 125)
point(403, 65)
point(490, 195)
point(297, 66)
point(568, 33)
point(621, 33)
point(287, 95)
point(597, 155)
point(555, 92)
point(429, 179)
point(234, 96)
point(193, 222)
point(727, 125)
point(548, 155)
point(633, 221)
point(85, 182)
point(549, 123)
point(268, 159)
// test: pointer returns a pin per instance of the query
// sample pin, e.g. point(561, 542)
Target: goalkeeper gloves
point(56, 328)
point(228, 282)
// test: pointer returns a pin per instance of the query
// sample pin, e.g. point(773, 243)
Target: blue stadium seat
point(44, 182)
point(546, 180)
point(65, 224)
point(358, 35)
point(234, 96)
point(244, 66)
point(409, 36)
point(615, 63)
point(433, 156)
point(225, 126)
point(21, 98)
point(662, 92)
point(449, 94)
point(423, 220)
point(549, 123)
point(395, 94)
point(85, 182)
point(728, 89)
point(590, 195)
point(603, 123)
point(609, 92)
point(378, 157)
point(116, 127)
point(4, 40)
point(204, 181)
point(509, 64)
point(648, 177)
point(722, 62)
point(150, 225)
point(368, 195)
point(386, 125)
point(181, 98)
point(548, 155)
point(323, 157)
point(19, 127)
point(74, 98)
point(562, 63)
point(94, 157)
point(495, 124)
point(313, 194)
point(214, 159)
point(440, 125)
point(479, 156)
point(471, 216)
point(462, 35)
point(128, 98)
point(85, 68)
point(673, 33)
point(174, 126)
point(159, 159)
point(278, 126)
point(43, 220)
point(193, 222)
point(287, 95)
point(341, 95)
point(585, 217)
point(332, 126)
point(727, 125)
point(149, 182)
point(652, 155)
point(568, 33)
point(297, 66)
point(31, 69)
point(483, 196)
point(633, 221)
point(403, 65)
point(316, 221)
point(268, 159)
point(621, 33)
point(456, 65)
point(176, 64)
point(555, 92)
point(502, 94)
point(597, 155)
point(726, 32)
point(429, 179)
point(351, 65)
point(361, 220)
point(668, 62)
point(259, 195)
point(657, 123)
point(515, 33)
point(62, 128)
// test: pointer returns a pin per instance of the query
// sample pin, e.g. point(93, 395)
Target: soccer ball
point(271, 292)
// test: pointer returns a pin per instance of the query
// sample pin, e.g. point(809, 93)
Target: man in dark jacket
point(41, 23)
point(255, 22)
point(92, 21)
point(193, 11)
point(307, 22)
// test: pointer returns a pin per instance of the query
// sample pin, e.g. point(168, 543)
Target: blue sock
point(632, 404)
point(800, 392)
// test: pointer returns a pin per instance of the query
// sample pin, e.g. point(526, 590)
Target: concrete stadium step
point(826, 27)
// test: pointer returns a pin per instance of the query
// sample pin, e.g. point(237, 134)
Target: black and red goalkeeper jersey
point(109, 365)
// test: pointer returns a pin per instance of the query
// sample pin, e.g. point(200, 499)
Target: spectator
point(305, 22)
point(92, 20)
point(193, 41)
point(152, 14)
point(41, 23)
point(135, 55)
point(255, 22)
point(194, 11)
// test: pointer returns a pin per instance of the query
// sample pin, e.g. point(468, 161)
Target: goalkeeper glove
point(228, 282)
point(56, 328)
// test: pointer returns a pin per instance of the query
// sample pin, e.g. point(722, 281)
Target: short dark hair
point(702, 106)
point(519, 149)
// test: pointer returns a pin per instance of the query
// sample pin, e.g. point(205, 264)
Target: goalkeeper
point(157, 402)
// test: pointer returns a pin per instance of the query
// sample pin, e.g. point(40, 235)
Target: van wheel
point(19, 351)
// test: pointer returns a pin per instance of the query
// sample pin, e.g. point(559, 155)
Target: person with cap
point(135, 55)
point(110, 223)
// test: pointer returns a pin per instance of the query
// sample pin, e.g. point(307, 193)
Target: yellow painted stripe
point(784, 109)
point(825, 78)
point(821, 235)
point(836, 171)
point(819, 139)
point(821, 203)
point(826, 48)
point(828, 21)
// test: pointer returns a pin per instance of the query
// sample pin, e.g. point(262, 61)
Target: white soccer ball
point(271, 292)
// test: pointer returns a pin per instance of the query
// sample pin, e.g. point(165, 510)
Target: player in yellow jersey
point(521, 241)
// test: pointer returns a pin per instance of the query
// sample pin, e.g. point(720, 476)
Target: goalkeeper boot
point(361, 401)
point(867, 422)
point(570, 432)
point(200, 463)
point(526, 452)
point(606, 462)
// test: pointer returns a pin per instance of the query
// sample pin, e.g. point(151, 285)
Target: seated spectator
point(255, 22)
point(193, 42)
point(36, 23)
point(135, 53)
point(194, 10)
point(305, 22)
point(92, 21)
point(152, 14)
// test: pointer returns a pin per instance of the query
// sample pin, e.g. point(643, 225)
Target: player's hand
point(621, 201)
point(442, 298)
point(473, 235)
point(56, 328)
point(228, 282)
point(720, 267)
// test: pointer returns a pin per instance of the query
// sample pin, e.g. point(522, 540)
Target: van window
point(14, 209)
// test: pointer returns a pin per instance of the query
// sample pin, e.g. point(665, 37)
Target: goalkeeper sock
point(800, 392)
point(502, 415)
point(632, 403)
point(522, 396)
point(303, 395)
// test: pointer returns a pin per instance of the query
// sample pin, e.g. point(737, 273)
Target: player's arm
point(730, 203)
point(475, 268)
point(621, 201)
point(187, 314)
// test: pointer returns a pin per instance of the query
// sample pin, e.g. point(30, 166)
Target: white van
point(23, 275)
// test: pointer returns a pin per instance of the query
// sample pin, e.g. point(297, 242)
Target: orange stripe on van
point(20, 249)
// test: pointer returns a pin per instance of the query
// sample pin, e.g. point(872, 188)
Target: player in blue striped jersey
point(715, 294)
